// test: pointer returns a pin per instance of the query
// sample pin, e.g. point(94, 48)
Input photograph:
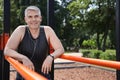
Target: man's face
point(33, 18)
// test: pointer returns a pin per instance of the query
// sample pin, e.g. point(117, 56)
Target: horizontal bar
point(105, 63)
point(26, 73)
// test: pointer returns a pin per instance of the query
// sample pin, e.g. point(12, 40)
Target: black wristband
point(51, 56)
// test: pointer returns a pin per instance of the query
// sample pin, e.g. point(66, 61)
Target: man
point(29, 44)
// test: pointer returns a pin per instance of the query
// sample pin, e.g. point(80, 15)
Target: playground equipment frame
point(4, 65)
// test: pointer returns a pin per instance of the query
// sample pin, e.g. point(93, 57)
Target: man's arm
point(58, 50)
point(12, 45)
point(56, 44)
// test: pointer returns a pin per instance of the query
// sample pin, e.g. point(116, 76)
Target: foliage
point(95, 54)
point(107, 55)
point(91, 17)
point(92, 43)
point(75, 21)
point(89, 44)
point(1, 16)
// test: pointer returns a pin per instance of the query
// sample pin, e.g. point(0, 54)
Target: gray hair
point(32, 8)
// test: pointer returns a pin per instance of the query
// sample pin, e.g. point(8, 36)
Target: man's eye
point(36, 16)
point(29, 16)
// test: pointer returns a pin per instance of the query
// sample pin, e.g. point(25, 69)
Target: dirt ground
point(77, 72)
point(84, 74)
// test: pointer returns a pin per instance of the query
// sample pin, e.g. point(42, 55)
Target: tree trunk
point(98, 42)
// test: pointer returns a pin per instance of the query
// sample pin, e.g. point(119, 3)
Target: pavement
point(60, 63)
point(59, 60)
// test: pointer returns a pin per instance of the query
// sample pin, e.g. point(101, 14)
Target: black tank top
point(35, 49)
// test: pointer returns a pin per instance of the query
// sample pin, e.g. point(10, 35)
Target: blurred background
point(86, 26)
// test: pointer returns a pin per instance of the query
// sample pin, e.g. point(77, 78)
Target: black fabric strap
point(51, 56)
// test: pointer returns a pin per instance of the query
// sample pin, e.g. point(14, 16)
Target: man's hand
point(27, 62)
point(47, 64)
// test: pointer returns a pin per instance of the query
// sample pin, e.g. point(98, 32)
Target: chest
point(38, 46)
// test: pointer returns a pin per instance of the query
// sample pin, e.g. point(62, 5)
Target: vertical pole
point(50, 13)
point(7, 16)
point(1, 63)
point(6, 66)
point(118, 35)
point(50, 22)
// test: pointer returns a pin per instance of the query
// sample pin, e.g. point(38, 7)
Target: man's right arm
point(12, 45)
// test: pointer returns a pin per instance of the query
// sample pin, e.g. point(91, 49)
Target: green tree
point(1, 16)
point(93, 16)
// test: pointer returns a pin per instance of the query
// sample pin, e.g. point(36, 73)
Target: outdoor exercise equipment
point(26, 73)
point(4, 65)
point(99, 62)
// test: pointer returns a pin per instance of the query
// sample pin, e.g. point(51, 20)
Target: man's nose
point(33, 18)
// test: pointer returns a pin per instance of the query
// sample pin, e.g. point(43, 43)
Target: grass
point(109, 54)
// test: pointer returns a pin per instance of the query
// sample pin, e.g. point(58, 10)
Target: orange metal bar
point(51, 49)
point(1, 41)
point(5, 38)
point(25, 72)
point(105, 63)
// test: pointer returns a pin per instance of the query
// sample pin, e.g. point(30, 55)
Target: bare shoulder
point(48, 29)
point(21, 27)
point(20, 30)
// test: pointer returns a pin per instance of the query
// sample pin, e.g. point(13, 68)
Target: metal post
point(50, 13)
point(50, 22)
point(118, 35)
point(1, 63)
point(6, 66)
point(7, 16)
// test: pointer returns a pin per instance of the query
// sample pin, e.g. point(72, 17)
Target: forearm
point(14, 54)
point(57, 53)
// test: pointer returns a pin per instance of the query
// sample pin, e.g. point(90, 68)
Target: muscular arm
point(12, 45)
point(57, 46)
point(55, 42)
